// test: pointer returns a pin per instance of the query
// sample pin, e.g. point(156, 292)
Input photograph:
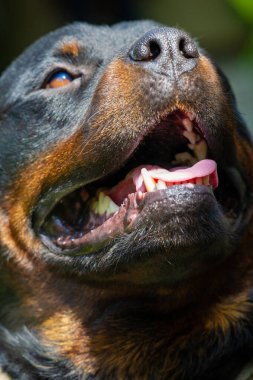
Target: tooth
point(103, 203)
point(161, 185)
point(206, 180)
point(94, 206)
point(112, 208)
point(148, 180)
point(187, 124)
point(199, 181)
point(185, 157)
point(190, 136)
point(200, 150)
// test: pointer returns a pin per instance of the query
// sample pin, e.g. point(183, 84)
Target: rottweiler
point(126, 210)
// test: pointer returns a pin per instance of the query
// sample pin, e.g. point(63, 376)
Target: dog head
point(123, 157)
point(126, 175)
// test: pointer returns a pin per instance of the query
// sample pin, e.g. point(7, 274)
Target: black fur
point(168, 246)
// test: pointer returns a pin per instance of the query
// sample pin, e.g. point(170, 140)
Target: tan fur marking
point(71, 48)
point(68, 333)
point(206, 68)
point(61, 159)
point(225, 314)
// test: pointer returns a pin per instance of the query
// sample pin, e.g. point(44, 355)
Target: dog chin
point(171, 239)
point(166, 237)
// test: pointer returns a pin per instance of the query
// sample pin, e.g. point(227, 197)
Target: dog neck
point(103, 330)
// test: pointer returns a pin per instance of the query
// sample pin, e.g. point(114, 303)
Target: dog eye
point(59, 79)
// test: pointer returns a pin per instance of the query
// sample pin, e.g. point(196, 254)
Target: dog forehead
point(96, 40)
point(85, 42)
point(101, 43)
point(99, 40)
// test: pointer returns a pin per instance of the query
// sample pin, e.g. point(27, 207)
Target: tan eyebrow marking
point(70, 48)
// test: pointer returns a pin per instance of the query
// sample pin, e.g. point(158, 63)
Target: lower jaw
point(144, 180)
point(153, 211)
point(91, 240)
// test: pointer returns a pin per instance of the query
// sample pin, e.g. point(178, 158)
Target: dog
point(126, 210)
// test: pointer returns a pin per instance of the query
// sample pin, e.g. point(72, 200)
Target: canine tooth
point(148, 180)
point(187, 124)
point(100, 204)
point(103, 203)
point(200, 150)
point(185, 157)
point(161, 185)
point(112, 208)
point(190, 136)
point(94, 206)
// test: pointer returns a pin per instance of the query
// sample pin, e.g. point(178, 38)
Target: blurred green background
point(223, 27)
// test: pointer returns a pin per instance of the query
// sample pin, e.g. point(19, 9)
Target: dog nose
point(166, 51)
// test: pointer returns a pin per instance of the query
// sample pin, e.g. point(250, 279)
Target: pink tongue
point(201, 169)
point(134, 180)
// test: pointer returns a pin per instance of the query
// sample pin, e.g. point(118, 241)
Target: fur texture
point(168, 295)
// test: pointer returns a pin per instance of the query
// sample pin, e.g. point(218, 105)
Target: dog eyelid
point(59, 79)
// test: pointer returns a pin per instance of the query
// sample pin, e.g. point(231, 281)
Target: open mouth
point(174, 153)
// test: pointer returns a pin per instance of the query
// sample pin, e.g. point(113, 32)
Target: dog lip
point(130, 212)
point(125, 220)
point(48, 201)
point(117, 224)
point(121, 222)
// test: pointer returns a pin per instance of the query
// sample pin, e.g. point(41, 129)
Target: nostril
point(161, 48)
point(188, 48)
point(155, 49)
point(147, 50)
